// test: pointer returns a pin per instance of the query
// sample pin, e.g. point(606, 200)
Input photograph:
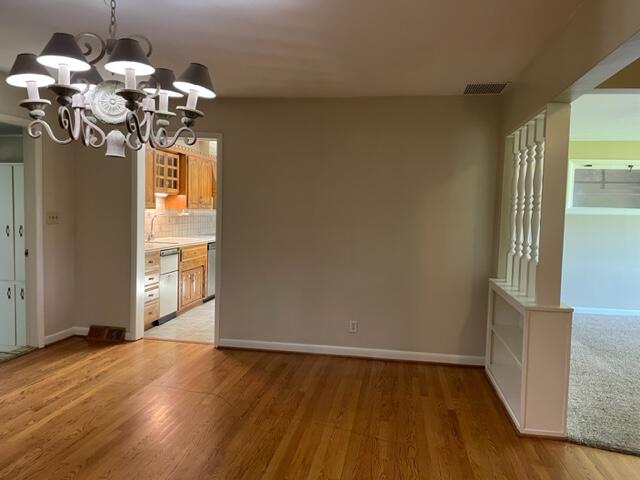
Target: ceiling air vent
point(485, 88)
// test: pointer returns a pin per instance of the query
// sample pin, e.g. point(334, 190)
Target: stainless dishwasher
point(211, 271)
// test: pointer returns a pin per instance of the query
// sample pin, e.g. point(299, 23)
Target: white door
point(18, 222)
point(7, 314)
point(21, 315)
point(6, 223)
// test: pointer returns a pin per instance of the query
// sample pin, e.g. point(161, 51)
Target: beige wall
point(58, 195)
point(103, 238)
point(378, 210)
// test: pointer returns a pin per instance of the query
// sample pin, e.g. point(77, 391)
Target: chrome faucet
point(151, 236)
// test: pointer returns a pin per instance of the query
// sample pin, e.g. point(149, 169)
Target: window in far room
point(594, 185)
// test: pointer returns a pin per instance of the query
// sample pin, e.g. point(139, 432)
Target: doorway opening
point(601, 270)
point(179, 241)
point(13, 311)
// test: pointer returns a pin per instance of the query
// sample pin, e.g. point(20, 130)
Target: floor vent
point(100, 333)
point(485, 88)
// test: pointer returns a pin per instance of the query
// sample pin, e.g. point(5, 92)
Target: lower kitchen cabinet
point(191, 286)
point(151, 313)
point(151, 289)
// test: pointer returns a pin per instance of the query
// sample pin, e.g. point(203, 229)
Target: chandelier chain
point(112, 24)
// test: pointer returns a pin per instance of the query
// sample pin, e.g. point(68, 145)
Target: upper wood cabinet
point(149, 179)
point(198, 181)
point(187, 173)
point(167, 172)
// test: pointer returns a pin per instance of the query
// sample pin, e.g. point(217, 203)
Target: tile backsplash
point(174, 223)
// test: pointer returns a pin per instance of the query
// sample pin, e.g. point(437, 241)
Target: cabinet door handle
point(8, 231)
point(22, 293)
point(9, 293)
point(21, 231)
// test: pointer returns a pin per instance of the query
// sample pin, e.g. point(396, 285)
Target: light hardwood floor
point(164, 410)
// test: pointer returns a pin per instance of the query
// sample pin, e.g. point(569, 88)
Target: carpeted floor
point(604, 387)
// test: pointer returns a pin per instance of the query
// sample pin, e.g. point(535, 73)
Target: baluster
point(528, 208)
point(537, 205)
point(514, 207)
point(515, 279)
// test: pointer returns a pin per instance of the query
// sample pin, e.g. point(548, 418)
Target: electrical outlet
point(53, 218)
point(353, 326)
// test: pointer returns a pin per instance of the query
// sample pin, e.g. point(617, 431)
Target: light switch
point(53, 218)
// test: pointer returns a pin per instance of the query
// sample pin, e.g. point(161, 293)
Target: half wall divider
point(528, 330)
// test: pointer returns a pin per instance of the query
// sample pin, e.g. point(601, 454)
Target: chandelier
point(85, 99)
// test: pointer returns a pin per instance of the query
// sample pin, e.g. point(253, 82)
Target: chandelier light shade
point(26, 69)
point(162, 80)
point(90, 78)
point(128, 54)
point(134, 113)
point(62, 49)
point(196, 77)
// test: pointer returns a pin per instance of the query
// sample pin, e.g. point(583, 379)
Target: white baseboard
point(543, 433)
point(70, 332)
point(61, 335)
point(354, 352)
point(606, 311)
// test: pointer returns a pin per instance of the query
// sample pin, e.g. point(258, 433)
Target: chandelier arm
point(95, 136)
point(35, 132)
point(135, 144)
point(83, 39)
point(145, 123)
point(134, 127)
point(71, 125)
point(163, 141)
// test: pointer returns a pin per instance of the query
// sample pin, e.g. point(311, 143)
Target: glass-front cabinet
point(167, 169)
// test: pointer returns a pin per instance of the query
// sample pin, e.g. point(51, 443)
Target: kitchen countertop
point(165, 243)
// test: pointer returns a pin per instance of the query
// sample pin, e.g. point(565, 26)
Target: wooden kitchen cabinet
point(183, 172)
point(198, 181)
point(151, 288)
point(167, 172)
point(193, 276)
point(149, 179)
point(191, 287)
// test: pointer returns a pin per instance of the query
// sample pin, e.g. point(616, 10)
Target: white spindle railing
point(525, 203)
point(528, 208)
point(522, 166)
point(513, 234)
point(537, 205)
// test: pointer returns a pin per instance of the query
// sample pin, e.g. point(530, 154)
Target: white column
point(519, 250)
point(528, 208)
point(537, 205)
point(556, 153)
point(511, 252)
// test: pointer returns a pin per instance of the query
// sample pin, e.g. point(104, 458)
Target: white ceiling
point(606, 117)
point(313, 47)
